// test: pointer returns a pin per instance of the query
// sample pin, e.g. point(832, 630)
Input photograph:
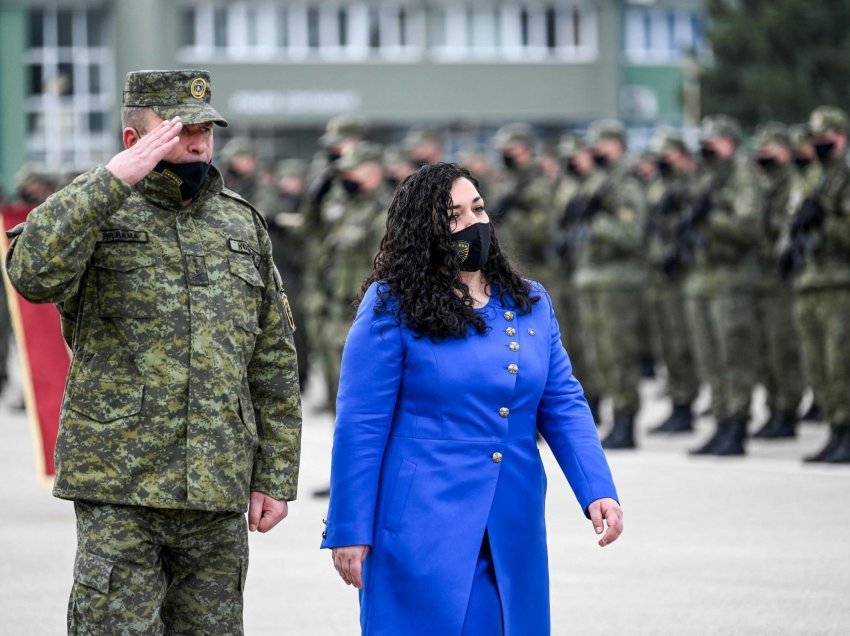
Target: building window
point(333, 31)
point(69, 102)
point(514, 32)
point(662, 36)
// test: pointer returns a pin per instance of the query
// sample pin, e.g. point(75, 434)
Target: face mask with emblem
point(189, 177)
point(473, 246)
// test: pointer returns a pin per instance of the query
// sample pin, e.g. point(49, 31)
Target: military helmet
point(798, 135)
point(343, 126)
point(290, 168)
point(771, 132)
point(360, 153)
point(184, 93)
point(714, 126)
point(569, 144)
point(236, 147)
point(517, 132)
point(419, 135)
point(667, 138)
point(827, 119)
point(606, 129)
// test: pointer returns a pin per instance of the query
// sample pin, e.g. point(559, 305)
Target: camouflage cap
point(235, 147)
point(667, 138)
point(569, 144)
point(419, 135)
point(394, 155)
point(358, 154)
point(343, 126)
point(827, 119)
point(290, 168)
point(798, 135)
point(606, 129)
point(715, 126)
point(183, 93)
point(515, 133)
point(772, 132)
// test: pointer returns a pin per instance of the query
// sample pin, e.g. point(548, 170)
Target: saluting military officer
point(182, 407)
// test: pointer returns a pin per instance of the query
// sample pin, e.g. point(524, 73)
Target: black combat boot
point(728, 440)
point(731, 441)
point(622, 434)
point(837, 447)
point(814, 414)
point(779, 426)
point(593, 403)
point(681, 420)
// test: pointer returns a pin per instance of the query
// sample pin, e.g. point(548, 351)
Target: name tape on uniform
point(123, 236)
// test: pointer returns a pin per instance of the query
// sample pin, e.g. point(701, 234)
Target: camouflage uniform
point(523, 211)
point(783, 372)
point(726, 236)
point(245, 182)
point(570, 195)
point(820, 238)
point(611, 278)
point(668, 198)
point(182, 396)
point(357, 223)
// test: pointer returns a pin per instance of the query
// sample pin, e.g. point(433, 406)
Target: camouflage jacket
point(611, 252)
point(183, 388)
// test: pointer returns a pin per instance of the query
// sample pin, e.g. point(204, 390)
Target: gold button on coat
point(497, 457)
point(512, 368)
point(509, 315)
point(510, 331)
point(504, 411)
point(514, 346)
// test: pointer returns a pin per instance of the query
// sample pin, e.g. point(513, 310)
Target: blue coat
point(434, 443)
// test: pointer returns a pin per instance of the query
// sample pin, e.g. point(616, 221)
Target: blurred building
point(280, 69)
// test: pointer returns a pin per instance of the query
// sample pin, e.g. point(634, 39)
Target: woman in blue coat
point(452, 366)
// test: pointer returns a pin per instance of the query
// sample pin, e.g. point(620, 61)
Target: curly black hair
point(419, 267)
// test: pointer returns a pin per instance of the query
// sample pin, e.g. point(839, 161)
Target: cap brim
point(191, 114)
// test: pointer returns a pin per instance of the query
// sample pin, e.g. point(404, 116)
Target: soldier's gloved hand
point(811, 215)
point(265, 512)
point(701, 209)
point(594, 204)
point(133, 164)
point(785, 264)
point(322, 185)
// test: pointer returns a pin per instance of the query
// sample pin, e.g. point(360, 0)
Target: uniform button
point(512, 368)
point(514, 346)
point(509, 315)
point(531, 331)
point(510, 331)
point(497, 457)
point(504, 411)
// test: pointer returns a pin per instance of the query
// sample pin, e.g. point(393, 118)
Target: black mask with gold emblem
point(473, 246)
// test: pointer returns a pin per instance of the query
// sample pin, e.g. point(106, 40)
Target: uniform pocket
point(126, 283)
point(105, 400)
point(400, 494)
point(93, 571)
point(247, 286)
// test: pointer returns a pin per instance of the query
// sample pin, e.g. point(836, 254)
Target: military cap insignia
point(462, 248)
point(198, 88)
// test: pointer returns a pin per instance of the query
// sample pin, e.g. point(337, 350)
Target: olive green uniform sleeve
point(623, 229)
point(736, 216)
point(273, 382)
point(48, 258)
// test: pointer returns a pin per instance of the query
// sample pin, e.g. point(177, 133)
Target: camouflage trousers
point(782, 374)
point(155, 571)
point(726, 347)
point(670, 327)
point(823, 321)
point(613, 327)
point(575, 340)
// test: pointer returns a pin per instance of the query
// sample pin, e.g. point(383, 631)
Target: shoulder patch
point(232, 194)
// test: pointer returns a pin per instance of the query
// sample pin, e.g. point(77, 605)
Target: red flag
point(45, 358)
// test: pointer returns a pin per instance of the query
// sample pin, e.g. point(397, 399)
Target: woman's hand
point(606, 512)
point(348, 561)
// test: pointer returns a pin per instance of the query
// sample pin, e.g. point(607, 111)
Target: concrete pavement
point(757, 545)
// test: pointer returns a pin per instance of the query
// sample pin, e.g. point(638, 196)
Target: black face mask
point(665, 168)
point(351, 186)
point(189, 177)
point(708, 153)
point(802, 162)
point(572, 168)
point(333, 155)
point(600, 160)
point(473, 246)
point(768, 164)
point(824, 151)
point(509, 161)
